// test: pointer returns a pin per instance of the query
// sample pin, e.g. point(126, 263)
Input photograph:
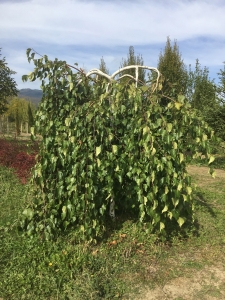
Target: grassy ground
point(128, 264)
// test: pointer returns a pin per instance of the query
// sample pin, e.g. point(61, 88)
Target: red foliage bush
point(19, 156)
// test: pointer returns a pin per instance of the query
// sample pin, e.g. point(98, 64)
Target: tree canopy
point(7, 84)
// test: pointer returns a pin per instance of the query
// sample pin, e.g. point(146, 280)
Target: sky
point(83, 31)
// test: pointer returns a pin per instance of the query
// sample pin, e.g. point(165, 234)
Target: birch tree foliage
point(105, 141)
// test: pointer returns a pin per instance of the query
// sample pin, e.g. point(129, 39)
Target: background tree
point(21, 111)
point(30, 113)
point(173, 70)
point(102, 66)
point(203, 96)
point(221, 98)
point(133, 59)
point(201, 90)
point(221, 85)
point(7, 84)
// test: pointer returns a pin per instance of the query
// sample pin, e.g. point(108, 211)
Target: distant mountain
point(32, 95)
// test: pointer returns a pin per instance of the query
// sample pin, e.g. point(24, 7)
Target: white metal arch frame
point(112, 78)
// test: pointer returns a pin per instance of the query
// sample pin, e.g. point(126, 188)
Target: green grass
point(120, 265)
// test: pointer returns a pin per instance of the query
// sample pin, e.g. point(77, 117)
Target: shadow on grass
point(202, 202)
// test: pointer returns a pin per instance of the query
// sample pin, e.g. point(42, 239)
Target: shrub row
point(18, 155)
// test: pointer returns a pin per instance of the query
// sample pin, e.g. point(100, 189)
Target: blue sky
point(83, 31)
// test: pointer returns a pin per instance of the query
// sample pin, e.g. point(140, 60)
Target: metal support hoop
point(112, 77)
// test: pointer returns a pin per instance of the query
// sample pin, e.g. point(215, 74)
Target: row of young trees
point(19, 116)
point(13, 110)
point(200, 90)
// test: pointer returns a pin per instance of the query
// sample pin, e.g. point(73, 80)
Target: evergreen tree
point(202, 94)
point(133, 59)
point(102, 66)
point(201, 90)
point(173, 70)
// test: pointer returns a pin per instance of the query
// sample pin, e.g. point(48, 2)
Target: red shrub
point(19, 156)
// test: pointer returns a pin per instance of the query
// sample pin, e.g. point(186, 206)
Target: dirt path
point(205, 284)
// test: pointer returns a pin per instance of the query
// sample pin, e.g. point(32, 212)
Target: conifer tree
point(202, 93)
point(173, 69)
point(102, 66)
point(133, 59)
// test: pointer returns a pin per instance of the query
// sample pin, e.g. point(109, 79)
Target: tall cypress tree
point(173, 69)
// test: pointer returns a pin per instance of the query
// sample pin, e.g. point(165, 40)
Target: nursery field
point(126, 263)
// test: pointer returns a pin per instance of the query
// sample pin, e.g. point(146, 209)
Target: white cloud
point(83, 31)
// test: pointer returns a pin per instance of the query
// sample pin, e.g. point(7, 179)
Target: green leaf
point(24, 78)
point(211, 159)
point(98, 150)
point(155, 204)
point(32, 130)
point(28, 51)
point(28, 212)
point(204, 137)
point(31, 76)
point(67, 121)
point(170, 215)
point(180, 221)
point(153, 151)
point(181, 157)
point(178, 105)
point(63, 215)
point(145, 200)
point(161, 226)
point(181, 98)
point(160, 86)
point(146, 129)
point(166, 190)
point(189, 190)
point(165, 209)
point(179, 187)
point(169, 127)
point(98, 162)
point(114, 149)
point(71, 86)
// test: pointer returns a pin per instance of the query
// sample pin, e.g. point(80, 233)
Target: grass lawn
point(127, 264)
